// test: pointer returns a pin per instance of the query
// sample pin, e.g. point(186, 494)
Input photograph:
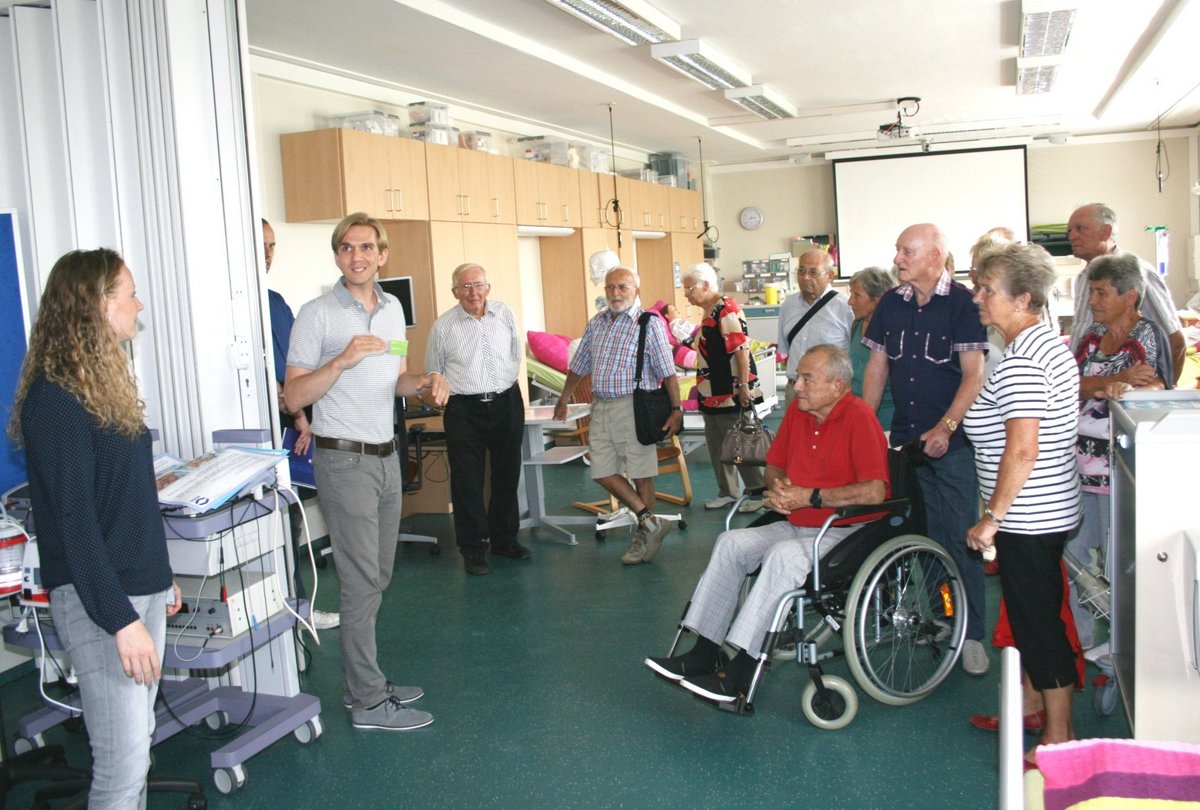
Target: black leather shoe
point(514, 551)
point(475, 562)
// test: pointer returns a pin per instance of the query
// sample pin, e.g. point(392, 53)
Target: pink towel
point(1084, 770)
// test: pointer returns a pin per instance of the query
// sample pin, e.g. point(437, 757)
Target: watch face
point(751, 218)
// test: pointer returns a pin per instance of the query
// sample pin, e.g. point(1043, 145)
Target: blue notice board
point(12, 346)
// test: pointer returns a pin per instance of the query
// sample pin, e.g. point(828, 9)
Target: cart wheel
point(321, 561)
point(228, 780)
point(1104, 695)
point(310, 732)
point(23, 745)
point(217, 720)
point(74, 723)
point(682, 524)
point(830, 708)
point(198, 802)
point(601, 535)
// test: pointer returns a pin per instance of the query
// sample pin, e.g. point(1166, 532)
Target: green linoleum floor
point(534, 676)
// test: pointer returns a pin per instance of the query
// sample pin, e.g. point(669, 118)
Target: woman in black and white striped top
point(1023, 427)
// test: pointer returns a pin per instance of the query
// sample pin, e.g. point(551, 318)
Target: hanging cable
point(615, 202)
point(710, 233)
point(1162, 162)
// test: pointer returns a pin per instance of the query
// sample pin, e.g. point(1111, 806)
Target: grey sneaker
point(636, 552)
point(391, 715)
point(323, 620)
point(404, 694)
point(653, 532)
point(719, 502)
point(974, 658)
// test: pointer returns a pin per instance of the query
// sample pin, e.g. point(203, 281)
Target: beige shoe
point(656, 529)
point(636, 552)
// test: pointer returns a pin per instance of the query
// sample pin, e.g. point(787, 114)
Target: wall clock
point(751, 218)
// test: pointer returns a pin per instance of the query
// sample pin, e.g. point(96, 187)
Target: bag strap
point(643, 324)
point(822, 301)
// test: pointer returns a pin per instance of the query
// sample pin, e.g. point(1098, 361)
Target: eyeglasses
point(474, 285)
point(812, 272)
point(618, 287)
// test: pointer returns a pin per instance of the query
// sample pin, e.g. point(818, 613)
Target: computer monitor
point(402, 288)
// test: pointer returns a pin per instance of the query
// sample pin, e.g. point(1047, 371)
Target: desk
point(534, 456)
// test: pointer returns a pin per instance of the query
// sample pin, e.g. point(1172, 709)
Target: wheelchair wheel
point(830, 708)
point(898, 646)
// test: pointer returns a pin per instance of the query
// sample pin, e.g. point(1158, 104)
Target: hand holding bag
point(747, 442)
point(651, 409)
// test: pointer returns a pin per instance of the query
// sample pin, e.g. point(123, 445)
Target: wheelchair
point(894, 597)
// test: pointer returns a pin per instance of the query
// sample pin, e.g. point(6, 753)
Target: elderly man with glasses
point(818, 315)
point(476, 346)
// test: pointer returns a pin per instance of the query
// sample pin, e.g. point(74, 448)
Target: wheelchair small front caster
point(683, 524)
point(601, 535)
point(830, 708)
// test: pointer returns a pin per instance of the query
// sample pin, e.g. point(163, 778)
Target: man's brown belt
point(381, 450)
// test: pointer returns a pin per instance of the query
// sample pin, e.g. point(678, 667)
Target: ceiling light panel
point(762, 101)
point(696, 60)
point(1045, 33)
point(631, 21)
point(1035, 78)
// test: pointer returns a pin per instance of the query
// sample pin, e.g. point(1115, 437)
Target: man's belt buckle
point(488, 397)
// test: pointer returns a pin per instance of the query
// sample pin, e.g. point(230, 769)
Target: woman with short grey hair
point(866, 288)
point(727, 380)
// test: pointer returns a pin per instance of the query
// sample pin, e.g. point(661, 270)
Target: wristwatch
point(814, 500)
point(677, 409)
point(950, 423)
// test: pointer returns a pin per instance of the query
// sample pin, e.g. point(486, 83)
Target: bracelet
point(990, 515)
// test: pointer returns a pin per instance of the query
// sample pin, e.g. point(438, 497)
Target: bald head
point(1091, 230)
point(921, 254)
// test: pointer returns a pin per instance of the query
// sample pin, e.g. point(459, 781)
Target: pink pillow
point(685, 357)
point(550, 349)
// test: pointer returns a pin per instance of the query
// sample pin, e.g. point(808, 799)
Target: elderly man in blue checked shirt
point(608, 352)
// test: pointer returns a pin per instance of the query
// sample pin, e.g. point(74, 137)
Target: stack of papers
point(209, 481)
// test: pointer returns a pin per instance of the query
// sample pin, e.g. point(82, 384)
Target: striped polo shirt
point(360, 405)
point(475, 355)
point(1036, 379)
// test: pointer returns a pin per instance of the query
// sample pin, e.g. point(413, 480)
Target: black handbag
point(747, 442)
point(651, 409)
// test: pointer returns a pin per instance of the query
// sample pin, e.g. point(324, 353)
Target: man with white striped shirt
point(477, 348)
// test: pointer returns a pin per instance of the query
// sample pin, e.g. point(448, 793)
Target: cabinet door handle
point(566, 213)
point(399, 200)
point(467, 205)
point(496, 207)
point(387, 199)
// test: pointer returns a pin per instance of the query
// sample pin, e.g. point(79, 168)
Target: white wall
point(798, 200)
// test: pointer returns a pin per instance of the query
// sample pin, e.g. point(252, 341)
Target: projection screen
point(965, 193)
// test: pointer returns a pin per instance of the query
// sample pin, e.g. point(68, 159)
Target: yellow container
point(772, 294)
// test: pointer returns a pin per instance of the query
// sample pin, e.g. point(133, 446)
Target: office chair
point(409, 440)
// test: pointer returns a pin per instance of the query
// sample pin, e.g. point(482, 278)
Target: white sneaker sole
point(666, 673)
point(704, 693)
point(393, 728)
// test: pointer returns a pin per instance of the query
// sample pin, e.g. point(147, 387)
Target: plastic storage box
point(673, 165)
point(428, 112)
point(548, 150)
point(478, 140)
point(380, 123)
point(434, 133)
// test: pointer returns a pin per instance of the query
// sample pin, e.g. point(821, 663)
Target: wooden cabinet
point(686, 249)
point(330, 173)
point(657, 263)
point(568, 294)
point(649, 208)
point(546, 194)
point(469, 186)
point(687, 212)
point(597, 191)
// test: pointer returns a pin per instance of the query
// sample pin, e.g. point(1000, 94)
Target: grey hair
point(837, 362)
point(1021, 267)
point(462, 268)
point(1123, 270)
point(1103, 214)
point(703, 272)
point(620, 268)
point(826, 258)
point(875, 281)
point(990, 242)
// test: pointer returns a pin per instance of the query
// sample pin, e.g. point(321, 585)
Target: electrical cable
point(615, 202)
point(704, 234)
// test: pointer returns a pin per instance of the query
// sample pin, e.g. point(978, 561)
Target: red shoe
point(991, 569)
point(991, 722)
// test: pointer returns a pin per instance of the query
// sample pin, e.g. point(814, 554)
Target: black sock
point(643, 515)
point(703, 657)
point(739, 670)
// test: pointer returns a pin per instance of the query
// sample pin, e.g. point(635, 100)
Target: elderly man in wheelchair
point(827, 472)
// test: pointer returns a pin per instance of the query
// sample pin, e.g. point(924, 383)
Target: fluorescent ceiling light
point(1035, 76)
point(1044, 28)
point(631, 21)
point(696, 60)
point(762, 101)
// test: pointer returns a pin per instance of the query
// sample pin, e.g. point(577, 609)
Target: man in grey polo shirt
point(340, 361)
point(477, 347)
point(830, 324)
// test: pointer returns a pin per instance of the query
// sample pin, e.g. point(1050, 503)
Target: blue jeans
point(951, 492)
point(118, 712)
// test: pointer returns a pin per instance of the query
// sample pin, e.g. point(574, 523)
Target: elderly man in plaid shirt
point(608, 352)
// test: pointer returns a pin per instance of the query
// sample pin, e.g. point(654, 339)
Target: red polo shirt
point(847, 448)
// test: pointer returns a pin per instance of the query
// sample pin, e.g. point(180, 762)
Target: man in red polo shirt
point(830, 451)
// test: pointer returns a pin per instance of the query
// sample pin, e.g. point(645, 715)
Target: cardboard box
point(434, 494)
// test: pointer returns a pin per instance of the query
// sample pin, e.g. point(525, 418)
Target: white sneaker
point(322, 620)
point(719, 502)
point(974, 658)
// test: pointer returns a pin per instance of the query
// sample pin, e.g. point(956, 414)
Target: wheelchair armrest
point(757, 492)
point(855, 510)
